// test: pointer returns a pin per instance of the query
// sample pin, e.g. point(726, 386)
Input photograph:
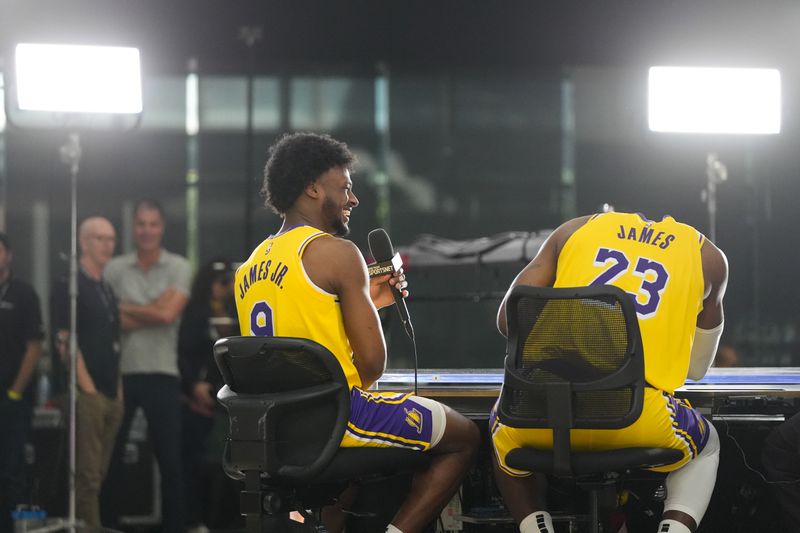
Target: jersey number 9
point(261, 320)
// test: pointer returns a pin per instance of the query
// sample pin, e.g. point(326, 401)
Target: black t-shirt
point(20, 322)
point(98, 329)
point(196, 338)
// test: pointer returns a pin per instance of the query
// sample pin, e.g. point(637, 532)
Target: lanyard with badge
point(107, 299)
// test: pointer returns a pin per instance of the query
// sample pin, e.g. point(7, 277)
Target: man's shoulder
point(175, 263)
point(333, 247)
point(333, 257)
point(22, 288)
point(173, 257)
point(331, 261)
point(121, 261)
point(715, 263)
point(684, 227)
point(563, 233)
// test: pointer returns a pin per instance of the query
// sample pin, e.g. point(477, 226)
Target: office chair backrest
point(574, 360)
point(288, 402)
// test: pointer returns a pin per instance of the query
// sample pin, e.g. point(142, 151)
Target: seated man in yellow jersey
point(677, 279)
point(311, 283)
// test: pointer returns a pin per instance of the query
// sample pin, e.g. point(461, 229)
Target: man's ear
point(313, 190)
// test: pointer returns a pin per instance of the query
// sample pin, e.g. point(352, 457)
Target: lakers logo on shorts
point(414, 419)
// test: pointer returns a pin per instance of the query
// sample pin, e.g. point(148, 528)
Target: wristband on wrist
point(14, 395)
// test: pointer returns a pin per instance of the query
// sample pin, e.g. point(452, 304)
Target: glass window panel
point(223, 103)
point(266, 103)
point(505, 103)
point(417, 103)
point(332, 103)
point(164, 103)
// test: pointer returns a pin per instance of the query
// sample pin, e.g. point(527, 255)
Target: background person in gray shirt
point(152, 286)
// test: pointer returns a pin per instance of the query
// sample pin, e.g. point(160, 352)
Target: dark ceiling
point(418, 34)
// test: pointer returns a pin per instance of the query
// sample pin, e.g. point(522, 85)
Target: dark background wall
point(421, 33)
point(480, 97)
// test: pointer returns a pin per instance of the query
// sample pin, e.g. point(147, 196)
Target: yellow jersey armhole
point(316, 289)
point(302, 248)
point(701, 240)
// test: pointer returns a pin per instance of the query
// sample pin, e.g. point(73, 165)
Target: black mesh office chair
point(288, 402)
point(575, 360)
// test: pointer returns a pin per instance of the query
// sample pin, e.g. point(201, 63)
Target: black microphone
point(381, 249)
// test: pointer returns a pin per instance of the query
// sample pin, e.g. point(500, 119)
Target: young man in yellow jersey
point(677, 279)
point(306, 281)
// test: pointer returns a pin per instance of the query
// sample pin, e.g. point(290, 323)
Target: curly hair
point(297, 160)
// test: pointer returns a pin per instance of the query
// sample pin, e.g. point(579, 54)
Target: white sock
point(538, 522)
point(392, 529)
point(671, 526)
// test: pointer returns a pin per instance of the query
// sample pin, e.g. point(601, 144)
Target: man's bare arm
point(710, 320)
point(715, 275)
point(541, 271)
point(84, 380)
point(33, 351)
point(336, 265)
point(128, 323)
point(165, 310)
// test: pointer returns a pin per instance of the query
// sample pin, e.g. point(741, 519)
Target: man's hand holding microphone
point(387, 280)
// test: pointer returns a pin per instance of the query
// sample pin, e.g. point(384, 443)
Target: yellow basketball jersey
point(659, 265)
point(275, 297)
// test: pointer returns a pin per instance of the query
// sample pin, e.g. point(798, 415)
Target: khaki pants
point(98, 420)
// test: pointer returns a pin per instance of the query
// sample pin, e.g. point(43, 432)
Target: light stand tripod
point(74, 88)
point(71, 156)
point(716, 173)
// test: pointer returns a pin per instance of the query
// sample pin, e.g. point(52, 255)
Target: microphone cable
point(416, 359)
point(408, 328)
point(743, 455)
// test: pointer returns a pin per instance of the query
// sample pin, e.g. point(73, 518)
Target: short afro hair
point(297, 160)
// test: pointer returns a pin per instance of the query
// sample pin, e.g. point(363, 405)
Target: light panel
point(714, 100)
point(78, 78)
point(2, 107)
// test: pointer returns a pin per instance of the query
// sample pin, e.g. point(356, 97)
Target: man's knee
point(460, 434)
point(451, 431)
point(689, 488)
point(473, 434)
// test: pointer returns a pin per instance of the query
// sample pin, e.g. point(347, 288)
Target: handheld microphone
point(381, 249)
